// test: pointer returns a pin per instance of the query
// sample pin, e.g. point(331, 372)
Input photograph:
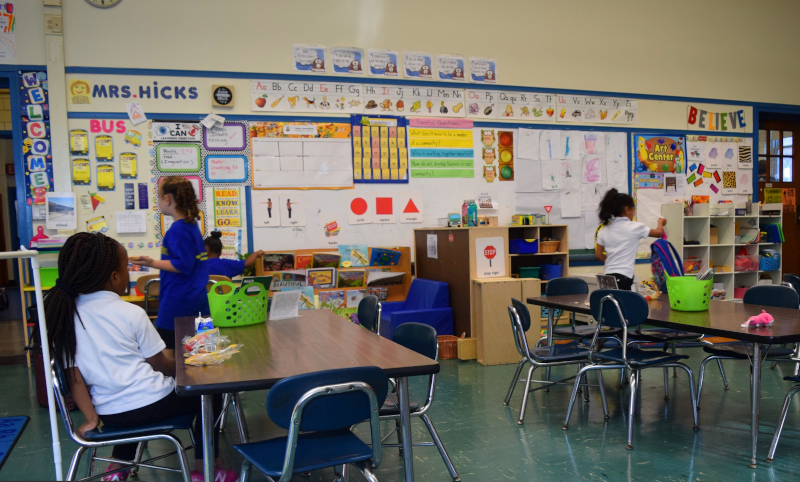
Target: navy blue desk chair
point(777, 296)
point(782, 418)
point(574, 286)
point(626, 310)
point(318, 409)
point(421, 339)
point(105, 437)
point(369, 313)
point(546, 356)
point(793, 280)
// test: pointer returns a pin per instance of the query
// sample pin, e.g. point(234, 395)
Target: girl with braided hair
point(183, 263)
point(118, 371)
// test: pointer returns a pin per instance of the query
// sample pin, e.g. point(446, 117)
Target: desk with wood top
point(316, 340)
point(723, 318)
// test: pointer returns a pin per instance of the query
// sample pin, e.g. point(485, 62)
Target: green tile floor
point(486, 443)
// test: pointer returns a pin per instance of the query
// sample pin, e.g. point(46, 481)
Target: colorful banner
point(227, 207)
point(441, 153)
point(659, 154)
point(35, 115)
point(701, 118)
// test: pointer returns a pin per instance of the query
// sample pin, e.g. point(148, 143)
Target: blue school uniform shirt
point(225, 267)
point(184, 293)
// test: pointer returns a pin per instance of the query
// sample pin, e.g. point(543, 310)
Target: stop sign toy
point(490, 253)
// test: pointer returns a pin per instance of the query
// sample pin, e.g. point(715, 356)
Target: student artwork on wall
point(305, 155)
point(347, 60)
point(310, 59)
point(418, 65)
point(380, 150)
point(34, 100)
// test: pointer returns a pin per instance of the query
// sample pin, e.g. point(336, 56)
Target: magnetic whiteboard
point(230, 137)
point(178, 157)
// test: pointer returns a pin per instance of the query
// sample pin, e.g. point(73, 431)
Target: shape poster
point(305, 97)
point(311, 155)
point(347, 60)
point(441, 152)
point(310, 59)
point(380, 149)
point(490, 258)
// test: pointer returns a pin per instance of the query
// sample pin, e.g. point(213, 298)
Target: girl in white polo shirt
point(620, 237)
point(113, 356)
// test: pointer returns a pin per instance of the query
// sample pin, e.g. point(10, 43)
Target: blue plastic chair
point(428, 302)
point(421, 339)
point(777, 296)
point(547, 356)
point(318, 409)
point(626, 309)
point(782, 417)
point(369, 313)
point(105, 436)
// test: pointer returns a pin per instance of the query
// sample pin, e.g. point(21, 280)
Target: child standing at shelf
point(620, 237)
point(183, 263)
point(225, 267)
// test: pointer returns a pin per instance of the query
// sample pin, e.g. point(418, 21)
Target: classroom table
point(723, 318)
point(314, 341)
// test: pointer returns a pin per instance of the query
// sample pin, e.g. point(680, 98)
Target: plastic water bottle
point(472, 213)
point(465, 213)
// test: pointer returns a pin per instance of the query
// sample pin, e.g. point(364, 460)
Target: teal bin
point(529, 272)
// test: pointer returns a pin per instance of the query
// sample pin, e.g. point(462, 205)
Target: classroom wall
point(729, 49)
point(30, 32)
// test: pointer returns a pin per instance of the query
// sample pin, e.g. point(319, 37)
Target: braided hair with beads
point(85, 264)
point(182, 192)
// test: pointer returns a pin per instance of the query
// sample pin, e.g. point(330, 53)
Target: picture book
point(265, 281)
point(385, 279)
point(350, 278)
point(384, 257)
point(302, 261)
point(380, 292)
point(353, 255)
point(331, 300)
point(277, 262)
point(354, 297)
point(287, 279)
point(306, 296)
point(325, 260)
point(321, 278)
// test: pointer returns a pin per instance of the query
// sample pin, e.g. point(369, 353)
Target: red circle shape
point(358, 206)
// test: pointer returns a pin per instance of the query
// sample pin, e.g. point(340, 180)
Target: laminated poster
point(97, 225)
point(383, 63)
point(418, 65)
point(78, 142)
point(103, 148)
point(450, 67)
point(310, 59)
point(127, 165)
point(81, 172)
point(347, 60)
point(482, 71)
point(105, 177)
point(60, 210)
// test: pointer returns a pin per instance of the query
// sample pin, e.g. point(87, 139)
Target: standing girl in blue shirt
point(184, 263)
point(225, 267)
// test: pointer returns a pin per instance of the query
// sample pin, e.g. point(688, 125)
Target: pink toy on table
point(764, 319)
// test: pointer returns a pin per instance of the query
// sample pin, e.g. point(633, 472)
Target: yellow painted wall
point(30, 32)
point(725, 49)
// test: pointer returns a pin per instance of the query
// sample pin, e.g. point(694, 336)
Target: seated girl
point(225, 267)
point(114, 359)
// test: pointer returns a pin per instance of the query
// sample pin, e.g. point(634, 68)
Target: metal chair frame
point(521, 341)
point(781, 421)
point(146, 292)
point(294, 432)
point(85, 445)
point(421, 413)
point(635, 377)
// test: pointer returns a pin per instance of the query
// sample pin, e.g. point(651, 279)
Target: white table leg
point(755, 393)
point(206, 412)
point(405, 428)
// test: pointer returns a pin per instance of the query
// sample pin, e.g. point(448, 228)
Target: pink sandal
point(118, 475)
point(220, 475)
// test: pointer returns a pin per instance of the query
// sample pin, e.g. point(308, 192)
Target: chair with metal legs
point(607, 309)
point(777, 296)
point(421, 339)
point(318, 410)
point(369, 313)
point(793, 281)
point(782, 418)
point(233, 399)
point(105, 437)
point(545, 357)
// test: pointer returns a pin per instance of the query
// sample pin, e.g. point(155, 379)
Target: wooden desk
point(723, 318)
point(315, 341)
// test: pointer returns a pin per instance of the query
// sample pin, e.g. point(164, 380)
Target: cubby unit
point(712, 236)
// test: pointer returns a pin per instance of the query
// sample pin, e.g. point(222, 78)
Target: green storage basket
point(240, 306)
point(48, 277)
point(688, 294)
point(529, 272)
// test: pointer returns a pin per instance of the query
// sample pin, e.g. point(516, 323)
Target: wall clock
point(103, 3)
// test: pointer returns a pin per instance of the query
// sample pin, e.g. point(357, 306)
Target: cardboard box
point(467, 348)
point(713, 235)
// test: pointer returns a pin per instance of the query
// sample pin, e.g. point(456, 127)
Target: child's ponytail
point(614, 204)
point(185, 199)
point(85, 264)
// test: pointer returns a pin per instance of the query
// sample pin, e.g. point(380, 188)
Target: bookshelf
point(720, 251)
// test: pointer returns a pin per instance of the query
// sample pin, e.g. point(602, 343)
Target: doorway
point(776, 169)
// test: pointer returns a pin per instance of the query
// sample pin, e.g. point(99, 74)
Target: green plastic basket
point(688, 294)
point(48, 277)
point(240, 306)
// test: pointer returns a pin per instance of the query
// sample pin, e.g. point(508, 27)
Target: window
point(776, 154)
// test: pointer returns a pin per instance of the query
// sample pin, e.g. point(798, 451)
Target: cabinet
point(714, 236)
